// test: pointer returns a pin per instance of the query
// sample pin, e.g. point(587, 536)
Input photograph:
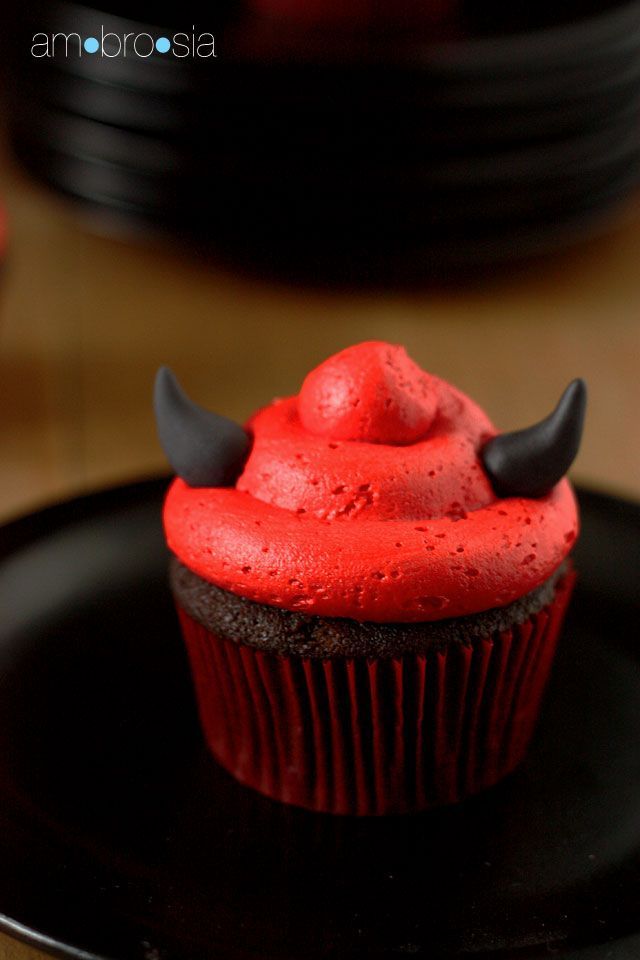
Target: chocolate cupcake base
point(362, 718)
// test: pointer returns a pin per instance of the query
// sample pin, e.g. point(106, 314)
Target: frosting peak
point(370, 392)
point(438, 475)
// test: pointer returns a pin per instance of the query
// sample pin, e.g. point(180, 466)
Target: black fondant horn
point(528, 463)
point(205, 449)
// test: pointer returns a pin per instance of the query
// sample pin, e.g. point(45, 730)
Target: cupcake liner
point(358, 736)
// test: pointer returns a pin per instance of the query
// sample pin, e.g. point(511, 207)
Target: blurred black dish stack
point(336, 150)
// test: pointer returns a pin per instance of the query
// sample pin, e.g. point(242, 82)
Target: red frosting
point(364, 497)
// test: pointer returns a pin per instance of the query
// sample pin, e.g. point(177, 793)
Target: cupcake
point(370, 581)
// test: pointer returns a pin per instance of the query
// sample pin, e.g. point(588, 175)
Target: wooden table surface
point(85, 320)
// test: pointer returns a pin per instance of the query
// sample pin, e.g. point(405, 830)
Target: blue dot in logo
point(91, 45)
point(163, 44)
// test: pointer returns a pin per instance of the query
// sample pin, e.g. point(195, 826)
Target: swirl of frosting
point(364, 497)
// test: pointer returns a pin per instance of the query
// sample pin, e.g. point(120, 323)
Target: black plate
point(121, 838)
point(164, 75)
point(448, 133)
point(391, 168)
point(240, 201)
point(307, 247)
point(436, 149)
point(237, 95)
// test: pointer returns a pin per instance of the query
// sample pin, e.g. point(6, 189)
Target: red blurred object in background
point(361, 13)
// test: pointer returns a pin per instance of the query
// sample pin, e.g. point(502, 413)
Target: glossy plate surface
point(121, 838)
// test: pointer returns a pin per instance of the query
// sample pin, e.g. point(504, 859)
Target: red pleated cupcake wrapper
point(357, 736)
